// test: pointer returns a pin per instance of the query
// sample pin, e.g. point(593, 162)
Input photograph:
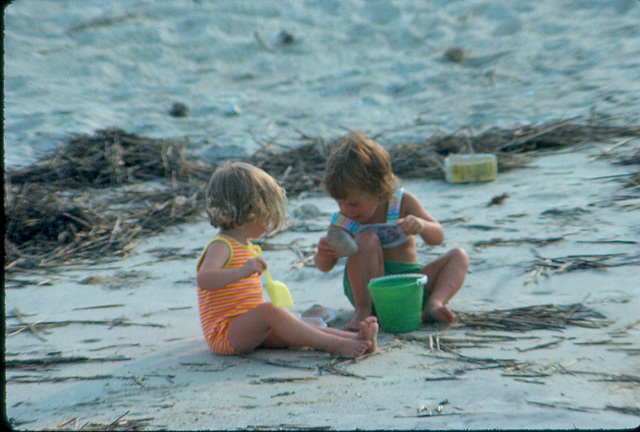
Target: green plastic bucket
point(398, 301)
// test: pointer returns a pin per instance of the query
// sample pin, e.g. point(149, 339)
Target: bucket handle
point(422, 281)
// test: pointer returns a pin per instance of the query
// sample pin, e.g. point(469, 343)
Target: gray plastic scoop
point(342, 242)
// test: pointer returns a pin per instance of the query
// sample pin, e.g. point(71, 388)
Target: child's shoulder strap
point(344, 222)
point(393, 213)
point(220, 238)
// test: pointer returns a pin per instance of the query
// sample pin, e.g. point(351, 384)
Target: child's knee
point(368, 242)
point(269, 309)
point(460, 257)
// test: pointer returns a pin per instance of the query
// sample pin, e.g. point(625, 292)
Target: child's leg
point(446, 276)
point(267, 325)
point(368, 331)
point(364, 265)
point(274, 341)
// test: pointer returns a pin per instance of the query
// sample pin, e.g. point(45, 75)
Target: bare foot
point(358, 317)
point(369, 331)
point(351, 347)
point(439, 313)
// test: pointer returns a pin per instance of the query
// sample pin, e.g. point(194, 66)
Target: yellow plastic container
point(469, 168)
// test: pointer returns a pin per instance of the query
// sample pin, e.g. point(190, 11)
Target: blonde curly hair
point(240, 193)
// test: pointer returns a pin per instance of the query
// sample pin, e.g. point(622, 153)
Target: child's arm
point(212, 276)
point(326, 256)
point(416, 221)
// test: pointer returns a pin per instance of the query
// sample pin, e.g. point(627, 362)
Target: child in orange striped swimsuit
point(244, 202)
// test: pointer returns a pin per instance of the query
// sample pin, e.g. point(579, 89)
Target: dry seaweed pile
point(93, 197)
point(301, 169)
point(111, 157)
point(540, 317)
point(55, 216)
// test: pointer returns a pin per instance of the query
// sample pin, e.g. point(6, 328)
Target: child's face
point(255, 230)
point(359, 206)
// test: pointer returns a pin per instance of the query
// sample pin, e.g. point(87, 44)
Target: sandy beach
point(145, 355)
point(117, 345)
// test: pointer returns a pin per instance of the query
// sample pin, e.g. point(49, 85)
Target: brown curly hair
point(359, 163)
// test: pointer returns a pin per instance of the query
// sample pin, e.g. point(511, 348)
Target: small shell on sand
point(319, 312)
point(342, 242)
point(455, 54)
point(178, 109)
point(287, 38)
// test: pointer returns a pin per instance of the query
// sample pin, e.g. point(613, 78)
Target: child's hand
point(411, 225)
point(256, 264)
point(325, 250)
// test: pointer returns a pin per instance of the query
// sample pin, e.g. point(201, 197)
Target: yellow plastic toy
point(467, 168)
point(278, 292)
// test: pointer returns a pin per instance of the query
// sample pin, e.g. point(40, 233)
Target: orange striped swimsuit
point(218, 307)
